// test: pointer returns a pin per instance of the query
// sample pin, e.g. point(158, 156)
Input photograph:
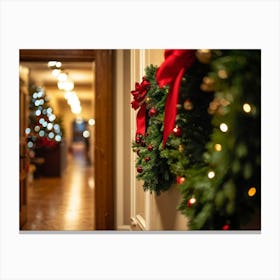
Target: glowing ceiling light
point(56, 72)
point(62, 77)
point(51, 63)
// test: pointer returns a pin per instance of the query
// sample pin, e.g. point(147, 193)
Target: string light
point(252, 191)
point(218, 147)
point(91, 122)
point(211, 174)
point(192, 200)
point(247, 108)
point(223, 127)
point(222, 74)
point(27, 130)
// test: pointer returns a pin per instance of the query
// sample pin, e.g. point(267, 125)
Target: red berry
point(139, 169)
point(147, 159)
point(180, 179)
point(226, 227)
point(150, 147)
point(153, 112)
point(177, 131)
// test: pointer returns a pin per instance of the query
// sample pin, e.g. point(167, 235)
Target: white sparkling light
point(211, 174)
point(51, 135)
point(56, 127)
point(37, 128)
point(52, 117)
point(247, 108)
point(62, 77)
point(51, 63)
point(86, 133)
point(91, 121)
point(38, 112)
point(41, 133)
point(57, 138)
point(223, 127)
point(27, 130)
point(50, 126)
point(30, 144)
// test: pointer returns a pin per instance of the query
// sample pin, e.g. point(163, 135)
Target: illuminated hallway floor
point(65, 203)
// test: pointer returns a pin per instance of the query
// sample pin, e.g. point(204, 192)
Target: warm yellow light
point(247, 108)
point(222, 74)
point(65, 85)
point(218, 147)
point(192, 200)
point(55, 72)
point(51, 63)
point(252, 191)
point(62, 77)
point(211, 174)
point(223, 127)
point(68, 85)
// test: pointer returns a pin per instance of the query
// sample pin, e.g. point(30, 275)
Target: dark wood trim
point(63, 55)
point(104, 187)
point(104, 190)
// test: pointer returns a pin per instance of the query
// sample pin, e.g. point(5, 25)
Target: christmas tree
point(45, 128)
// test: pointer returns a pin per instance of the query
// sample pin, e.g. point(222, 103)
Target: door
point(103, 150)
point(24, 161)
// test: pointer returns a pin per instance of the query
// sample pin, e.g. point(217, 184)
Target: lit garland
point(213, 153)
point(227, 188)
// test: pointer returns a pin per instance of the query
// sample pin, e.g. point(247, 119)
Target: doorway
point(103, 146)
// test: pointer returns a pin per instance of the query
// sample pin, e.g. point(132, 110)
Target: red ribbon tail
point(141, 120)
point(171, 107)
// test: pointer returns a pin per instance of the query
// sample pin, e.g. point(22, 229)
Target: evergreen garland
point(151, 168)
point(225, 191)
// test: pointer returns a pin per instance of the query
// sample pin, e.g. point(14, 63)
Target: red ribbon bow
point(139, 95)
point(170, 73)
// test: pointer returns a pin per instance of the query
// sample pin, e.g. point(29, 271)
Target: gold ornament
point(218, 105)
point(188, 105)
point(218, 147)
point(222, 74)
point(207, 84)
point(203, 56)
point(181, 148)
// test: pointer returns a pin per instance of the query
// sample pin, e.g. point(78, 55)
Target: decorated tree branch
point(224, 193)
point(199, 123)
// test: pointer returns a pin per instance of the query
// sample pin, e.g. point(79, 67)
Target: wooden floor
point(66, 203)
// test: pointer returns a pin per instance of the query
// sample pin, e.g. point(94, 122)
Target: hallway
point(65, 203)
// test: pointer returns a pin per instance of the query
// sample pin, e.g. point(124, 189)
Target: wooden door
point(103, 153)
point(24, 161)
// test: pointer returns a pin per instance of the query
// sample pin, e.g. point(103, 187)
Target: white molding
point(138, 221)
point(124, 228)
point(132, 121)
